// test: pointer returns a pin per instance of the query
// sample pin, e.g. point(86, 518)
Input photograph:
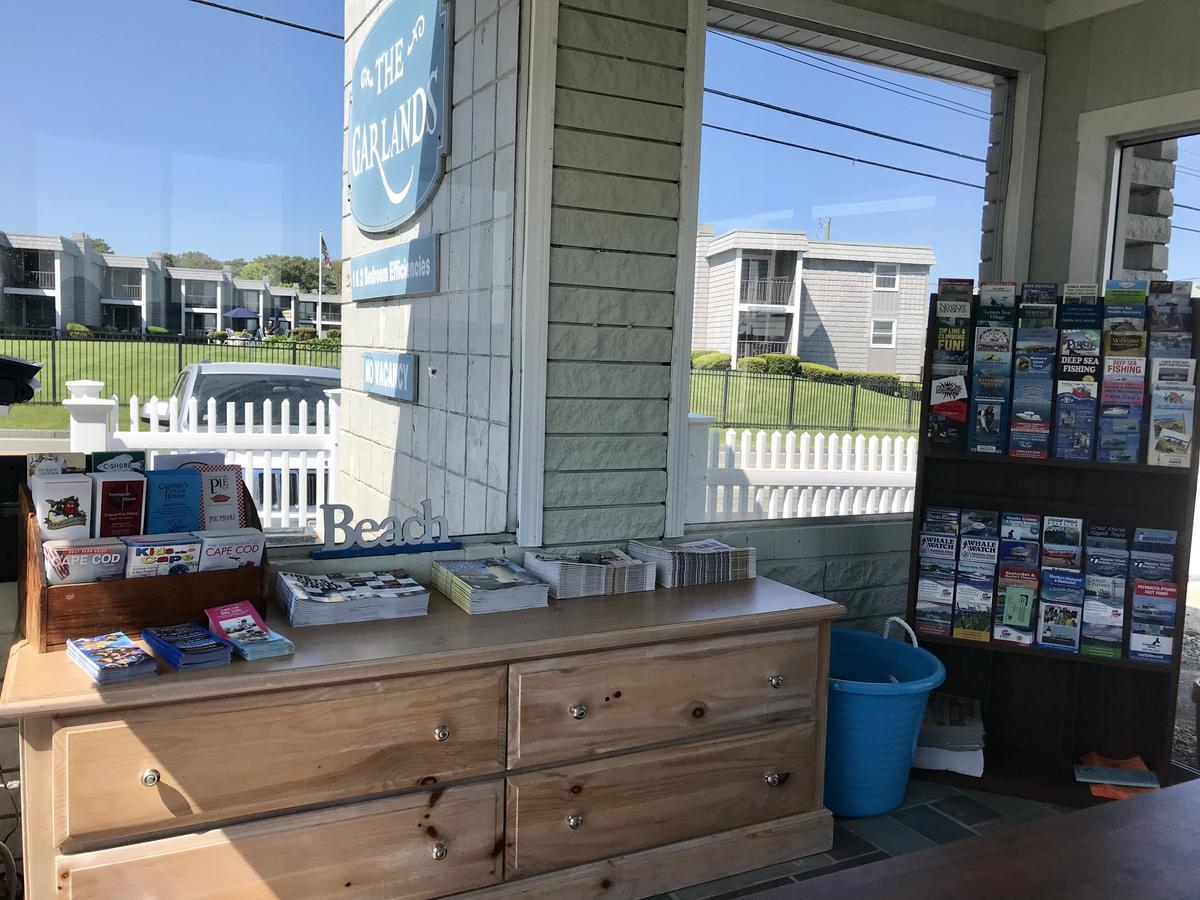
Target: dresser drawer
point(418, 845)
point(593, 810)
point(578, 706)
point(192, 764)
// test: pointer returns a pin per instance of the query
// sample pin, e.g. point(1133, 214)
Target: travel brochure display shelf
point(1074, 658)
point(55, 613)
point(1107, 468)
point(1044, 708)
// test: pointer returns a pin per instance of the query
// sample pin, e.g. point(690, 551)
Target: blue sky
point(748, 182)
point(166, 125)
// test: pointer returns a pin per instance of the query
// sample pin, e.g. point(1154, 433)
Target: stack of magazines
point(350, 597)
point(111, 658)
point(242, 626)
point(951, 737)
point(187, 646)
point(697, 562)
point(590, 574)
point(489, 585)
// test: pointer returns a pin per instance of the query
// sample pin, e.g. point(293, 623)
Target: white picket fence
point(291, 469)
point(735, 475)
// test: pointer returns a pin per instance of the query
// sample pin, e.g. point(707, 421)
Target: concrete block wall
point(1150, 203)
point(860, 563)
point(995, 181)
point(452, 446)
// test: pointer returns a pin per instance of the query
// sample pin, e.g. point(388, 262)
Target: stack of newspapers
point(489, 585)
point(332, 599)
point(697, 562)
point(591, 574)
point(951, 737)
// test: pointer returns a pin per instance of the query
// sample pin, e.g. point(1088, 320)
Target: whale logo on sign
point(399, 114)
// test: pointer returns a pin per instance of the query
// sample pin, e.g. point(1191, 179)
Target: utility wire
point(1175, 227)
point(853, 159)
point(837, 124)
point(1185, 206)
point(266, 18)
point(976, 114)
point(829, 62)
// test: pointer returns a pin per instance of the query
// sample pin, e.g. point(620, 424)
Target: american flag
point(326, 261)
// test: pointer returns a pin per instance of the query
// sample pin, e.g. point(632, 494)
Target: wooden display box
point(53, 614)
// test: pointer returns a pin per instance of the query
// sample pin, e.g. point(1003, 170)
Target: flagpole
point(320, 276)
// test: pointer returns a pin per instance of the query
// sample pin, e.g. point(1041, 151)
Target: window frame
point(871, 345)
point(896, 282)
point(1026, 71)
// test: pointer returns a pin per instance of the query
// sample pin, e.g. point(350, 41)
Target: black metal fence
point(145, 365)
point(753, 400)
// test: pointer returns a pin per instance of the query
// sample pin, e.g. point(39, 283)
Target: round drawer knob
point(776, 681)
point(773, 779)
point(150, 777)
point(578, 711)
point(441, 733)
point(575, 821)
point(439, 850)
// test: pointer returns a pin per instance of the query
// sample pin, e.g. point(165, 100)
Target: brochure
point(974, 595)
point(1016, 602)
point(1062, 543)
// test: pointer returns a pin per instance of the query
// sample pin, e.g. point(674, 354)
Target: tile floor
point(931, 814)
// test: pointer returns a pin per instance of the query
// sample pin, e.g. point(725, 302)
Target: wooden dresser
point(606, 746)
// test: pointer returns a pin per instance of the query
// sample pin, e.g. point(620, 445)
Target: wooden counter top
point(49, 683)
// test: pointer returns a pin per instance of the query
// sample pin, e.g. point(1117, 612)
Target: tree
point(100, 245)
point(192, 259)
point(255, 271)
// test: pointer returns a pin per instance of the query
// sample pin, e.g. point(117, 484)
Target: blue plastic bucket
point(877, 694)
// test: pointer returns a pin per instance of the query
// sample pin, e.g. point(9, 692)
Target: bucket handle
point(887, 627)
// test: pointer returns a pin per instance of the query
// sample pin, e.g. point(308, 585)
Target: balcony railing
point(36, 279)
point(771, 291)
point(757, 348)
point(127, 291)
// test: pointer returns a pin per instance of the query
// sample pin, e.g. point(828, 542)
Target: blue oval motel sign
point(399, 114)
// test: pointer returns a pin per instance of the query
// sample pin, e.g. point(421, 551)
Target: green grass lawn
point(755, 401)
point(128, 367)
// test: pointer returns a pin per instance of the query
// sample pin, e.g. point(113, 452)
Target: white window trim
point(871, 334)
point(1100, 134)
point(1029, 71)
point(535, 269)
point(894, 287)
point(685, 274)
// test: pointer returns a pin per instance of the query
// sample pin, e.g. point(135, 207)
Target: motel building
point(47, 282)
point(521, 202)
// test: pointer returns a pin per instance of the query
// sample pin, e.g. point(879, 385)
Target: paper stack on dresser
point(241, 626)
point(111, 658)
point(331, 599)
point(489, 585)
point(697, 562)
point(187, 646)
point(591, 574)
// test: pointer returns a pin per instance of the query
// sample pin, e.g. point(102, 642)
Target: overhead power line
point(837, 124)
point(942, 102)
point(1175, 227)
point(1185, 206)
point(845, 156)
point(265, 18)
point(837, 65)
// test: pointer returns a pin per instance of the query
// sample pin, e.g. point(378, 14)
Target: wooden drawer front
point(245, 756)
point(657, 797)
point(645, 695)
point(384, 848)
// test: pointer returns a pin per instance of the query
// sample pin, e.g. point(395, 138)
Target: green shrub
point(220, 335)
point(277, 339)
point(76, 330)
point(752, 364)
point(156, 329)
point(696, 354)
point(712, 360)
point(304, 333)
point(781, 363)
point(334, 334)
point(325, 343)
